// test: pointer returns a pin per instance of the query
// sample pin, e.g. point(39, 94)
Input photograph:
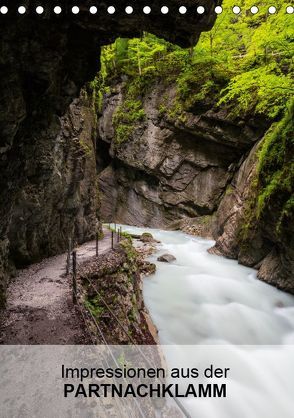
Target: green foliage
point(244, 63)
point(86, 148)
point(97, 90)
point(259, 91)
point(127, 236)
point(94, 307)
point(130, 251)
point(273, 185)
point(276, 167)
point(201, 81)
point(125, 118)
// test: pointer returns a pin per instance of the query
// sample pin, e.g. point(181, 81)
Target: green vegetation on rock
point(125, 119)
point(276, 167)
point(93, 305)
point(273, 183)
point(129, 250)
point(244, 63)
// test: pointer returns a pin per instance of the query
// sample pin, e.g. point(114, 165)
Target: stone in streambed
point(147, 268)
point(147, 237)
point(166, 258)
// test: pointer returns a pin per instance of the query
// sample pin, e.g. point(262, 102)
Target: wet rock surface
point(112, 291)
point(169, 170)
point(147, 237)
point(197, 175)
point(259, 246)
point(166, 258)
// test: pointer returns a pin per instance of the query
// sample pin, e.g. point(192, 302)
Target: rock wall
point(196, 173)
point(255, 242)
point(112, 284)
point(58, 197)
point(169, 169)
point(45, 60)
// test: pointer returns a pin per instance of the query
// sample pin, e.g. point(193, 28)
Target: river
point(221, 309)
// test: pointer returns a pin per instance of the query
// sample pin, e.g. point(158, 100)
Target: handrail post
point(97, 240)
point(68, 256)
point(74, 276)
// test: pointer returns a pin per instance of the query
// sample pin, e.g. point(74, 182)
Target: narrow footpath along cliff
point(40, 307)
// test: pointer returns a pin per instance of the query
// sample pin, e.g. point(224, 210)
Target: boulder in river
point(166, 258)
point(147, 237)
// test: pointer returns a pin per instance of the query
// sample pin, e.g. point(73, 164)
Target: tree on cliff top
point(245, 62)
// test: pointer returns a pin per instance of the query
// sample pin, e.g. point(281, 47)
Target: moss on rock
point(275, 168)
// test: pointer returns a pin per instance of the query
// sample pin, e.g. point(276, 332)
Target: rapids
point(221, 309)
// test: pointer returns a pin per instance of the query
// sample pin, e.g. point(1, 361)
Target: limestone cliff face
point(257, 243)
point(59, 197)
point(196, 172)
point(169, 168)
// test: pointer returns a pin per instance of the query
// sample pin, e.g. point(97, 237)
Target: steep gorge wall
point(199, 169)
point(58, 197)
point(263, 239)
point(45, 60)
point(168, 168)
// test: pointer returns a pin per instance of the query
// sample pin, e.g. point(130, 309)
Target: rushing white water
point(206, 299)
point(221, 307)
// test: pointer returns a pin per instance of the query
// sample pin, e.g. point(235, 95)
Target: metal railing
point(87, 315)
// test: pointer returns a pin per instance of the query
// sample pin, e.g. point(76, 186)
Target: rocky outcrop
point(230, 216)
point(112, 292)
point(255, 242)
point(169, 168)
point(166, 258)
point(147, 237)
point(58, 197)
point(201, 226)
point(198, 173)
point(44, 62)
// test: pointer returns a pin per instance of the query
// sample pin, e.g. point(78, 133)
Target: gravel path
point(39, 302)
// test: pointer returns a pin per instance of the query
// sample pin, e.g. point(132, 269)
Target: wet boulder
point(166, 258)
point(147, 237)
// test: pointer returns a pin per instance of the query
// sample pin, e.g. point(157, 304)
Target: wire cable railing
point(115, 238)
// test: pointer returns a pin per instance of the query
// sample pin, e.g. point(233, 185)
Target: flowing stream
point(222, 308)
